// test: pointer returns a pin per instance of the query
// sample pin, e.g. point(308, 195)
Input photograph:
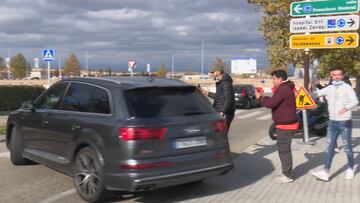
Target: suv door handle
point(75, 127)
point(45, 122)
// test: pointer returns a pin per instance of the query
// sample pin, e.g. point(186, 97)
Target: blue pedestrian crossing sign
point(48, 54)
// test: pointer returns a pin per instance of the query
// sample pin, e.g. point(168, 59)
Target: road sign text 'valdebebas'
point(324, 41)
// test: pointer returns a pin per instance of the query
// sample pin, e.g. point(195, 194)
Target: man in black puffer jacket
point(224, 101)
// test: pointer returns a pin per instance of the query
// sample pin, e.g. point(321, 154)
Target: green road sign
point(324, 7)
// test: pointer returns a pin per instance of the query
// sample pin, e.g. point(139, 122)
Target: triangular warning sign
point(303, 100)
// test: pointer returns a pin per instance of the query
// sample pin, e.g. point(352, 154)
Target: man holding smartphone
point(224, 100)
point(283, 110)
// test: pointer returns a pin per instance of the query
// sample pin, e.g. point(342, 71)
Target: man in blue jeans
point(341, 99)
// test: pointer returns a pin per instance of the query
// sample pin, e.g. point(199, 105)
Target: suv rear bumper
point(133, 184)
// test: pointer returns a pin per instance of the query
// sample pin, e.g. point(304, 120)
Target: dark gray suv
point(124, 134)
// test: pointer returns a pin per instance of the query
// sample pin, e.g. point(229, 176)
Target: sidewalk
point(3, 120)
point(260, 164)
point(252, 178)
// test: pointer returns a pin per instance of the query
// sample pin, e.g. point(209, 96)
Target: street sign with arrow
point(324, 7)
point(324, 41)
point(324, 24)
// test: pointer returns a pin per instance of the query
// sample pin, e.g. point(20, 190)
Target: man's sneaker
point(350, 173)
point(283, 179)
point(322, 175)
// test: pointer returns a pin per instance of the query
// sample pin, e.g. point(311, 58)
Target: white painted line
point(5, 154)
point(266, 117)
point(238, 111)
point(59, 196)
point(355, 132)
point(356, 108)
point(250, 114)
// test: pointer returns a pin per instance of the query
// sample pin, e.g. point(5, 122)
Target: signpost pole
point(48, 63)
point(306, 85)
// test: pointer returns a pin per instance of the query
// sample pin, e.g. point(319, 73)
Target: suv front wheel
point(89, 176)
point(16, 149)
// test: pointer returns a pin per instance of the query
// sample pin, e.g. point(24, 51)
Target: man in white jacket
point(341, 98)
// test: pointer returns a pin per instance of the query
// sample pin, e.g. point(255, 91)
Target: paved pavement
point(252, 178)
point(257, 166)
point(3, 120)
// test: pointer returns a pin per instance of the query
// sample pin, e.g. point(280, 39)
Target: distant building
point(243, 66)
point(195, 77)
point(35, 73)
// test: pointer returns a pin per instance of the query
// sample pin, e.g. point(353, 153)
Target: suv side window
point(52, 97)
point(86, 98)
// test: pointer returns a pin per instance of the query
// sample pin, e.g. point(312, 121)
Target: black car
point(245, 96)
point(123, 134)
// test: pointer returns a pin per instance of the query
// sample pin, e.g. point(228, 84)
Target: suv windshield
point(165, 102)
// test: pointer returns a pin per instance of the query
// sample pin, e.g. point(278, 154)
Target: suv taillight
point(220, 126)
point(147, 165)
point(127, 134)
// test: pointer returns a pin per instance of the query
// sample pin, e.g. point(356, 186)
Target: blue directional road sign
point(48, 54)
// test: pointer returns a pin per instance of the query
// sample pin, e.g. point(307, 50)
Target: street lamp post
point(202, 57)
point(172, 66)
point(86, 62)
point(9, 69)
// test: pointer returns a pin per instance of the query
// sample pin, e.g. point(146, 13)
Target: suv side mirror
point(28, 105)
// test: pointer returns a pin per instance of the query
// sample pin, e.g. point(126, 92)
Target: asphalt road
point(36, 183)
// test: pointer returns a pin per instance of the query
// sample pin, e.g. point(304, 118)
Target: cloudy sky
point(148, 31)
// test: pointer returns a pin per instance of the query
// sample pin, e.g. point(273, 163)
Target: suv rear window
point(165, 102)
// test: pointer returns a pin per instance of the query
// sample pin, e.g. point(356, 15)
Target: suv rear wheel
point(89, 176)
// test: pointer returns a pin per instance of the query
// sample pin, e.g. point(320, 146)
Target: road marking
point(266, 117)
point(5, 154)
point(355, 131)
point(238, 111)
point(250, 114)
point(59, 196)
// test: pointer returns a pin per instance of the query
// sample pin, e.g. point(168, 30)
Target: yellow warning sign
point(303, 100)
point(324, 41)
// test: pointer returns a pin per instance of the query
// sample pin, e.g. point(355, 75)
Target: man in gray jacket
point(341, 99)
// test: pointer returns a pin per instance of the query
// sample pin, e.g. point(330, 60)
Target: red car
point(259, 89)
